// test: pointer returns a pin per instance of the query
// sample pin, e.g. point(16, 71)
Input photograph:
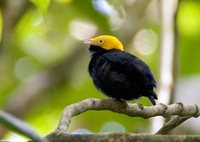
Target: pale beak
point(89, 42)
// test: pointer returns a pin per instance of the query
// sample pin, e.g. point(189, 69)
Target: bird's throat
point(96, 49)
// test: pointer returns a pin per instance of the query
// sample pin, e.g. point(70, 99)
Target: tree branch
point(172, 123)
point(11, 14)
point(119, 137)
point(132, 110)
point(19, 126)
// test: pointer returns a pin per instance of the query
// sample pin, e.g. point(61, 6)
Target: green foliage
point(189, 19)
point(189, 27)
point(41, 5)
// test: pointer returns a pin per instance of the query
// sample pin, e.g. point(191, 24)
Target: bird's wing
point(132, 66)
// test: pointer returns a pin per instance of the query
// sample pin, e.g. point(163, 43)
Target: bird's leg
point(120, 100)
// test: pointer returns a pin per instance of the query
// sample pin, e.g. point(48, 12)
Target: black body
point(121, 75)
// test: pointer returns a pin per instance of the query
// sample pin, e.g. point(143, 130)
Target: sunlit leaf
point(29, 23)
point(42, 5)
point(189, 19)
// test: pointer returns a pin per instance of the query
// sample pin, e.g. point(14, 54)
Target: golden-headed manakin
point(119, 74)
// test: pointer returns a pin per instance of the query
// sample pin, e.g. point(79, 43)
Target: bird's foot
point(140, 106)
point(120, 100)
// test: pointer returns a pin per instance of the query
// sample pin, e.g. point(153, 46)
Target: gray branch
point(132, 110)
point(19, 126)
point(172, 123)
point(120, 137)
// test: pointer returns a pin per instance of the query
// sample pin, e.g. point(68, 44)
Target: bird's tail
point(152, 97)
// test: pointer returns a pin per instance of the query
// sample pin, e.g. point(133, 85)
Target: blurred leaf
point(189, 56)
point(42, 5)
point(28, 25)
point(189, 19)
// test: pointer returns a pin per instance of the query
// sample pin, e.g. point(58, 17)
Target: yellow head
point(106, 42)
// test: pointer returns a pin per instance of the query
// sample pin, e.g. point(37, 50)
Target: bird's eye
point(100, 41)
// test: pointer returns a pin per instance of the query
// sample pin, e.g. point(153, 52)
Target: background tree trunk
point(168, 56)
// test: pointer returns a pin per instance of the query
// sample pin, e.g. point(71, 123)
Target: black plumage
point(121, 75)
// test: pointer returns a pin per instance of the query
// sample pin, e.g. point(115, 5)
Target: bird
point(117, 73)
